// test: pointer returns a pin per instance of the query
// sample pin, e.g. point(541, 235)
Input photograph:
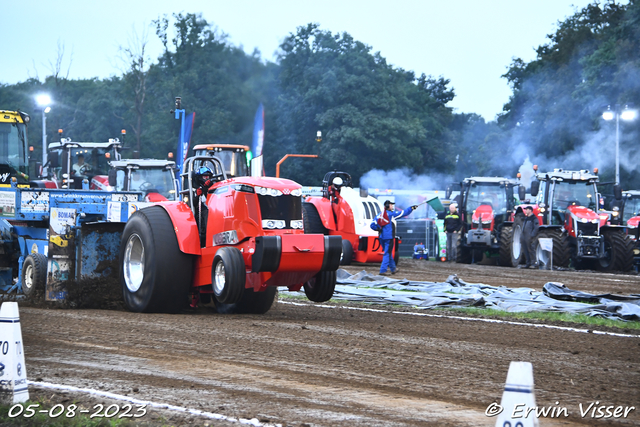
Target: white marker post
point(518, 400)
point(13, 371)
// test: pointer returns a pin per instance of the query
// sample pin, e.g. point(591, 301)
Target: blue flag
point(258, 132)
point(186, 129)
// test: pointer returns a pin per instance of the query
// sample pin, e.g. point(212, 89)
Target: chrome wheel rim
point(517, 231)
point(28, 277)
point(220, 278)
point(134, 263)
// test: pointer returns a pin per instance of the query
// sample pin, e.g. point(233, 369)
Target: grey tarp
point(456, 293)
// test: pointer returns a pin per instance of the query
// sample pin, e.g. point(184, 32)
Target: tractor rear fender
point(324, 210)
point(184, 224)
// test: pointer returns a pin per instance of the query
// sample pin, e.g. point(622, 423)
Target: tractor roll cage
point(328, 178)
point(188, 175)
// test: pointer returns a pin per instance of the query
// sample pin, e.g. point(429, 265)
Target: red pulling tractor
point(231, 239)
point(567, 207)
point(343, 212)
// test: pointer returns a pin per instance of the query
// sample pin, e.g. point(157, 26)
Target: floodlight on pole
point(627, 115)
point(43, 101)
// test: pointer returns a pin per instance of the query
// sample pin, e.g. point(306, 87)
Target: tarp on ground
point(456, 293)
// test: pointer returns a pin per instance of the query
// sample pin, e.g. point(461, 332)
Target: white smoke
point(404, 179)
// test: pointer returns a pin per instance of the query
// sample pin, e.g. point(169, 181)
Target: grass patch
point(549, 317)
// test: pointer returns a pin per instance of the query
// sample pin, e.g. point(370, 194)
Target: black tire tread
point(622, 245)
point(463, 253)
point(505, 252)
point(311, 220)
point(235, 271)
point(561, 248)
point(168, 271)
point(39, 262)
point(322, 289)
point(256, 302)
point(347, 252)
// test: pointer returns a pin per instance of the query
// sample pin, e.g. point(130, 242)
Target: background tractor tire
point(228, 275)
point(347, 253)
point(34, 274)
point(320, 287)
point(251, 302)
point(561, 248)
point(505, 259)
point(463, 253)
point(155, 274)
point(517, 255)
point(311, 220)
point(619, 248)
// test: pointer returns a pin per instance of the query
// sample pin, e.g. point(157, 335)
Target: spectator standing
point(452, 226)
point(528, 238)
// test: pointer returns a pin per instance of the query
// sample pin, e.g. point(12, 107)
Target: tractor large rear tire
point(463, 253)
point(321, 286)
point(34, 274)
point(154, 273)
point(619, 249)
point(347, 253)
point(517, 255)
point(228, 275)
point(505, 258)
point(311, 220)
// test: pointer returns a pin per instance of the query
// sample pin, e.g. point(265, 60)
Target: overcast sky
point(470, 42)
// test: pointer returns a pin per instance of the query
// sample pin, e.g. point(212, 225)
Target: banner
point(258, 132)
point(185, 134)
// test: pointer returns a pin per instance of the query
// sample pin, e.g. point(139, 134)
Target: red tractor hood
point(581, 213)
point(286, 186)
point(633, 222)
point(484, 211)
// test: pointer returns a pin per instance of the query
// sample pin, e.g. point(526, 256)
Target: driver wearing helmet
point(203, 180)
point(334, 189)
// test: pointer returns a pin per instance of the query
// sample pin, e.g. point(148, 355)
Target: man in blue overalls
point(385, 226)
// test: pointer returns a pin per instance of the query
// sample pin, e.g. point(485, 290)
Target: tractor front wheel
point(321, 286)
point(154, 273)
point(618, 249)
point(347, 253)
point(228, 275)
point(34, 274)
point(463, 253)
point(506, 236)
point(251, 302)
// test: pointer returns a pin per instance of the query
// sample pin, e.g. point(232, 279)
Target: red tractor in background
point(568, 211)
point(342, 211)
point(231, 239)
point(626, 212)
point(487, 207)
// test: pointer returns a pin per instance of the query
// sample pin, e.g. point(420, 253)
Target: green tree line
point(372, 115)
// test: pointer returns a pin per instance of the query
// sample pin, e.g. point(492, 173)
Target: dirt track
point(304, 364)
